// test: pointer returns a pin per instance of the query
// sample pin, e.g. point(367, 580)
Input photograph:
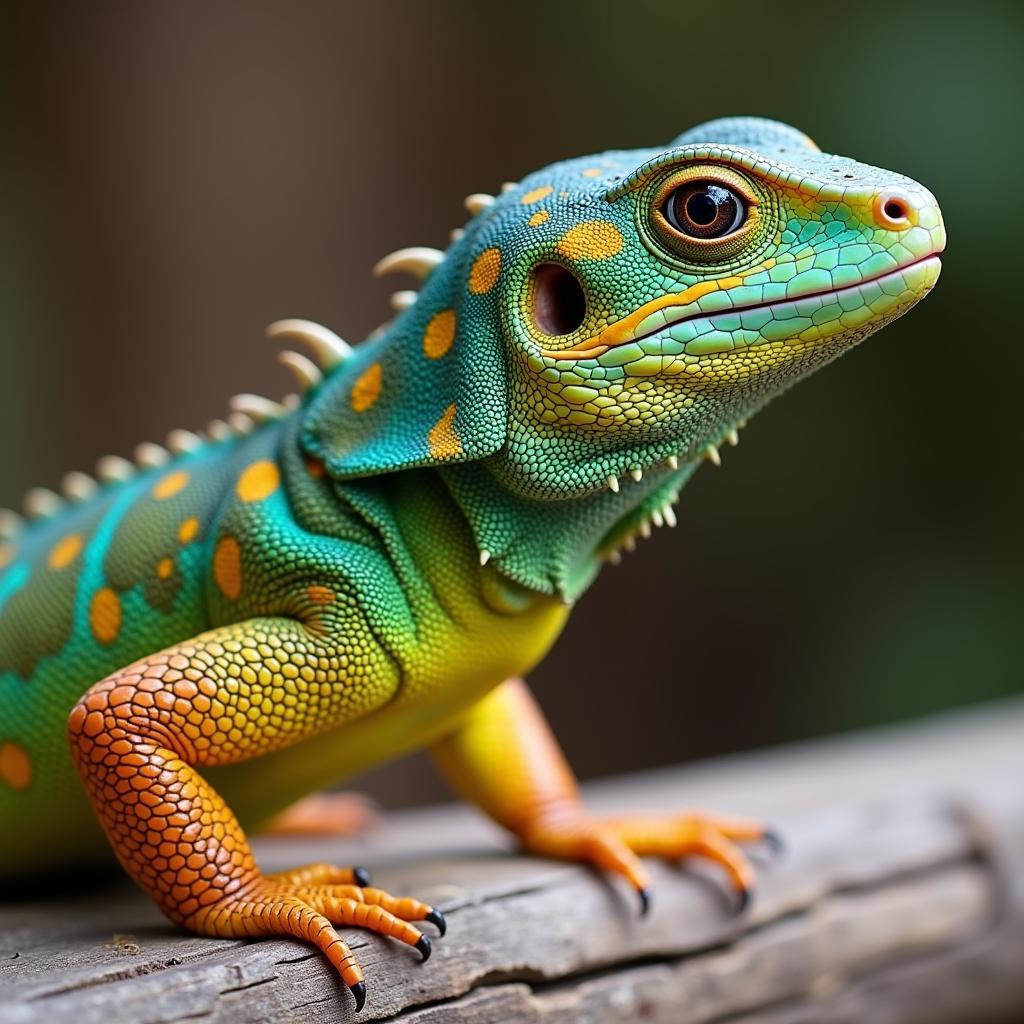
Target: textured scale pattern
point(318, 585)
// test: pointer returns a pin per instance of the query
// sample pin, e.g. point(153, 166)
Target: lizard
point(209, 632)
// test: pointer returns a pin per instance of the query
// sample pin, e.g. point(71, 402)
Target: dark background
point(177, 175)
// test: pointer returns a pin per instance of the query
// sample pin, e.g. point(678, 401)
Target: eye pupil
point(701, 208)
point(704, 210)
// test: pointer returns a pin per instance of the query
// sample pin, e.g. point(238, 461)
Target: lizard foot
point(615, 844)
point(310, 903)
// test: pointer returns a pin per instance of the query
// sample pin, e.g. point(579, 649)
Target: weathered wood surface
point(900, 899)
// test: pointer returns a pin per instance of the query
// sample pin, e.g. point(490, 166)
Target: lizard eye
point(705, 214)
point(704, 209)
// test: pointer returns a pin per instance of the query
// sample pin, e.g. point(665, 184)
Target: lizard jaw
point(906, 285)
point(923, 273)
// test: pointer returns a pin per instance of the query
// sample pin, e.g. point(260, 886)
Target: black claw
point(436, 918)
point(423, 945)
point(645, 901)
point(359, 994)
point(361, 876)
point(745, 896)
point(774, 841)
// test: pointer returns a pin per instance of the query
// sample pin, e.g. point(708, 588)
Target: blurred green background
point(176, 176)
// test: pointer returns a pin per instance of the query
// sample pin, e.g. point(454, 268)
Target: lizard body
point(356, 576)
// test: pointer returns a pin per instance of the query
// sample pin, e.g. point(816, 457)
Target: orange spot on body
point(440, 334)
point(442, 438)
point(105, 616)
point(591, 240)
point(536, 195)
point(258, 481)
point(165, 568)
point(188, 530)
point(484, 274)
point(227, 567)
point(366, 389)
point(538, 218)
point(6, 555)
point(15, 766)
point(320, 595)
point(65, 551)
point(170, 485)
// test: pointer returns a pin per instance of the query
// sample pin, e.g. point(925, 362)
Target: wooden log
point(900, 899)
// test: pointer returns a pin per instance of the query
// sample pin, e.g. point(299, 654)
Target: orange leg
point(505, 759)
point(226, 696)
point(324, 814)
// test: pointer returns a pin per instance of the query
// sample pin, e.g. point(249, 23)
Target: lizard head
point(653, 301)
point(626, 312)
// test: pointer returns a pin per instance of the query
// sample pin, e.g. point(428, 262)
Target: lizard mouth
point(669, 314)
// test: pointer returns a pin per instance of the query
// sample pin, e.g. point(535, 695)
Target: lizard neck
point(558, 547)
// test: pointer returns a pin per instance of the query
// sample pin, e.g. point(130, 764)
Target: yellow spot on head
point(165, 568)
point(170, 485)
point(320, 595)
point(188, 530)
point(486, 268)
point(15, 766)
point(536, 195)
point(538, 218)
point(65, 551)
point(105, 616)
point(366, 389)
point(443, 440)
point(592, 172)
point(591, 240)
point(227, 567)
point(258, 481)
point(440, 334)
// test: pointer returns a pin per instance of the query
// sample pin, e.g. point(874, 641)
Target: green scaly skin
point(458, 435)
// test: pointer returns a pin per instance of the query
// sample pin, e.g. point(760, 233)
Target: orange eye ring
point(704, 213)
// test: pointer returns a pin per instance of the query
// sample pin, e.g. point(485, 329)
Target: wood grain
point(900, 898)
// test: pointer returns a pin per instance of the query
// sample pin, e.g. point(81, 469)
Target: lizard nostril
point(893, 211)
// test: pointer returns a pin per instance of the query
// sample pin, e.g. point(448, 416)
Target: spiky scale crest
point(306, 372)
point(478, 202)
point(256, 407)
point(11, 524)
point(419, 261)
point(41, 503)
point(401, 301)
point(328, 349)
point(114, 469)
point(181, 442)
point(151, 456)
point(78, 486)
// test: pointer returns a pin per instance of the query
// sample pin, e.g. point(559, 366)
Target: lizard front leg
point(505, 759)
point(231, 694)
